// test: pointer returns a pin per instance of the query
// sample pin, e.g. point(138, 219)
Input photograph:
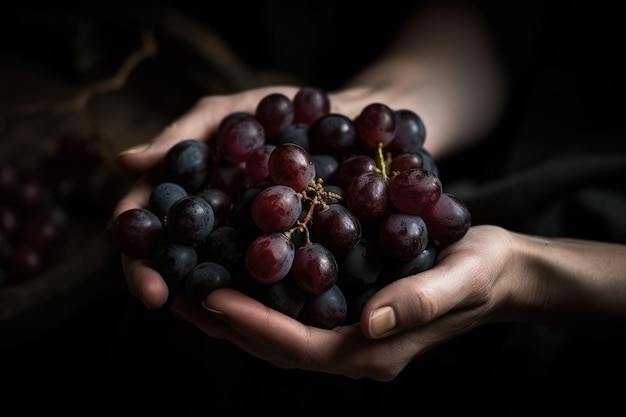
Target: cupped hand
point(465, 289)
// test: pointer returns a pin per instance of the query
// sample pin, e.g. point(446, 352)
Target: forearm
point(571, 282)
point(442, 67)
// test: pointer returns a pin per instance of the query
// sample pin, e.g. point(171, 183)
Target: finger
point(145, 283)
point(288, 343)
point(422, 298)
point(137, 197)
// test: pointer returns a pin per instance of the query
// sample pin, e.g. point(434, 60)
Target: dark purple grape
point(410, 132)
point(414, 191)
point(269, 257)
point(405, 161)
point(220, 202)
point(325, 166)
point(333, 134)
point(241, 217)
point(162, 197)
point(190, 220)
point(284, 296)
point(367, 196)
point(229, 178)
point(276, 208)
point(428, 162)
point(239, 137)
point(395, 270)
point(232, 116)
point(362, 265)
point(402, 236)
point(174, 261)
point(314, 268)
point(137, 232)
point(376, 124)
point(336, 228)
point(204, 279)
point(296, 133)
point(291, 165)
point(257, 164)
point(351, 168)
point(448, 220)
point(326, 310)
point(310, 103)
point(188, 164)
point(224, 245)
point(275, 112)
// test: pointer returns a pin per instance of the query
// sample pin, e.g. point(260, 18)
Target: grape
point(298, 134)
point(309, 104)
point(325, 166)
point(405, 161)
point(326, 310)
point(229, 178)
point(137, 232)
point(269, 257)
point(376, 124)
point(402, 236)
point(333, 134)
point(367, 196)
point(291, 165)
point(190, 220)
point(351, 168)
point(362, 264)
point(174, 261)
point(220, 202)
point(275, 112)
point(410, 132)
point(224, 245)
point(188, 164)
point(276, 208)
point(420, 263)
point(230, 117)
point(415, 191)
point(314, 268)
point(239, 137)
point(256, 168)
point(162, 197)
point(204, 278)
point(336, 228)
point(449, 219)
point(285, 296)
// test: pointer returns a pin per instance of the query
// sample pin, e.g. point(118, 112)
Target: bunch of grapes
point(40, 201)
point(306, 210)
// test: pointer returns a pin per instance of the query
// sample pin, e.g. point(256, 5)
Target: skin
point(440, 66)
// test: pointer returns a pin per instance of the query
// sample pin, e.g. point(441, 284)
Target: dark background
point(93, 349)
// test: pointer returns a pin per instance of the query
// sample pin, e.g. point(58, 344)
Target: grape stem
point(319, 195)
point(381, 160)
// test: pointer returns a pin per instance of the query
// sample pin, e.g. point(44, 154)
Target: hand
point(464, 290)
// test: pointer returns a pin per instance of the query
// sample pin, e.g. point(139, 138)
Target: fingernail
point(217, 313)
point(381, 321)
point(135, 149)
